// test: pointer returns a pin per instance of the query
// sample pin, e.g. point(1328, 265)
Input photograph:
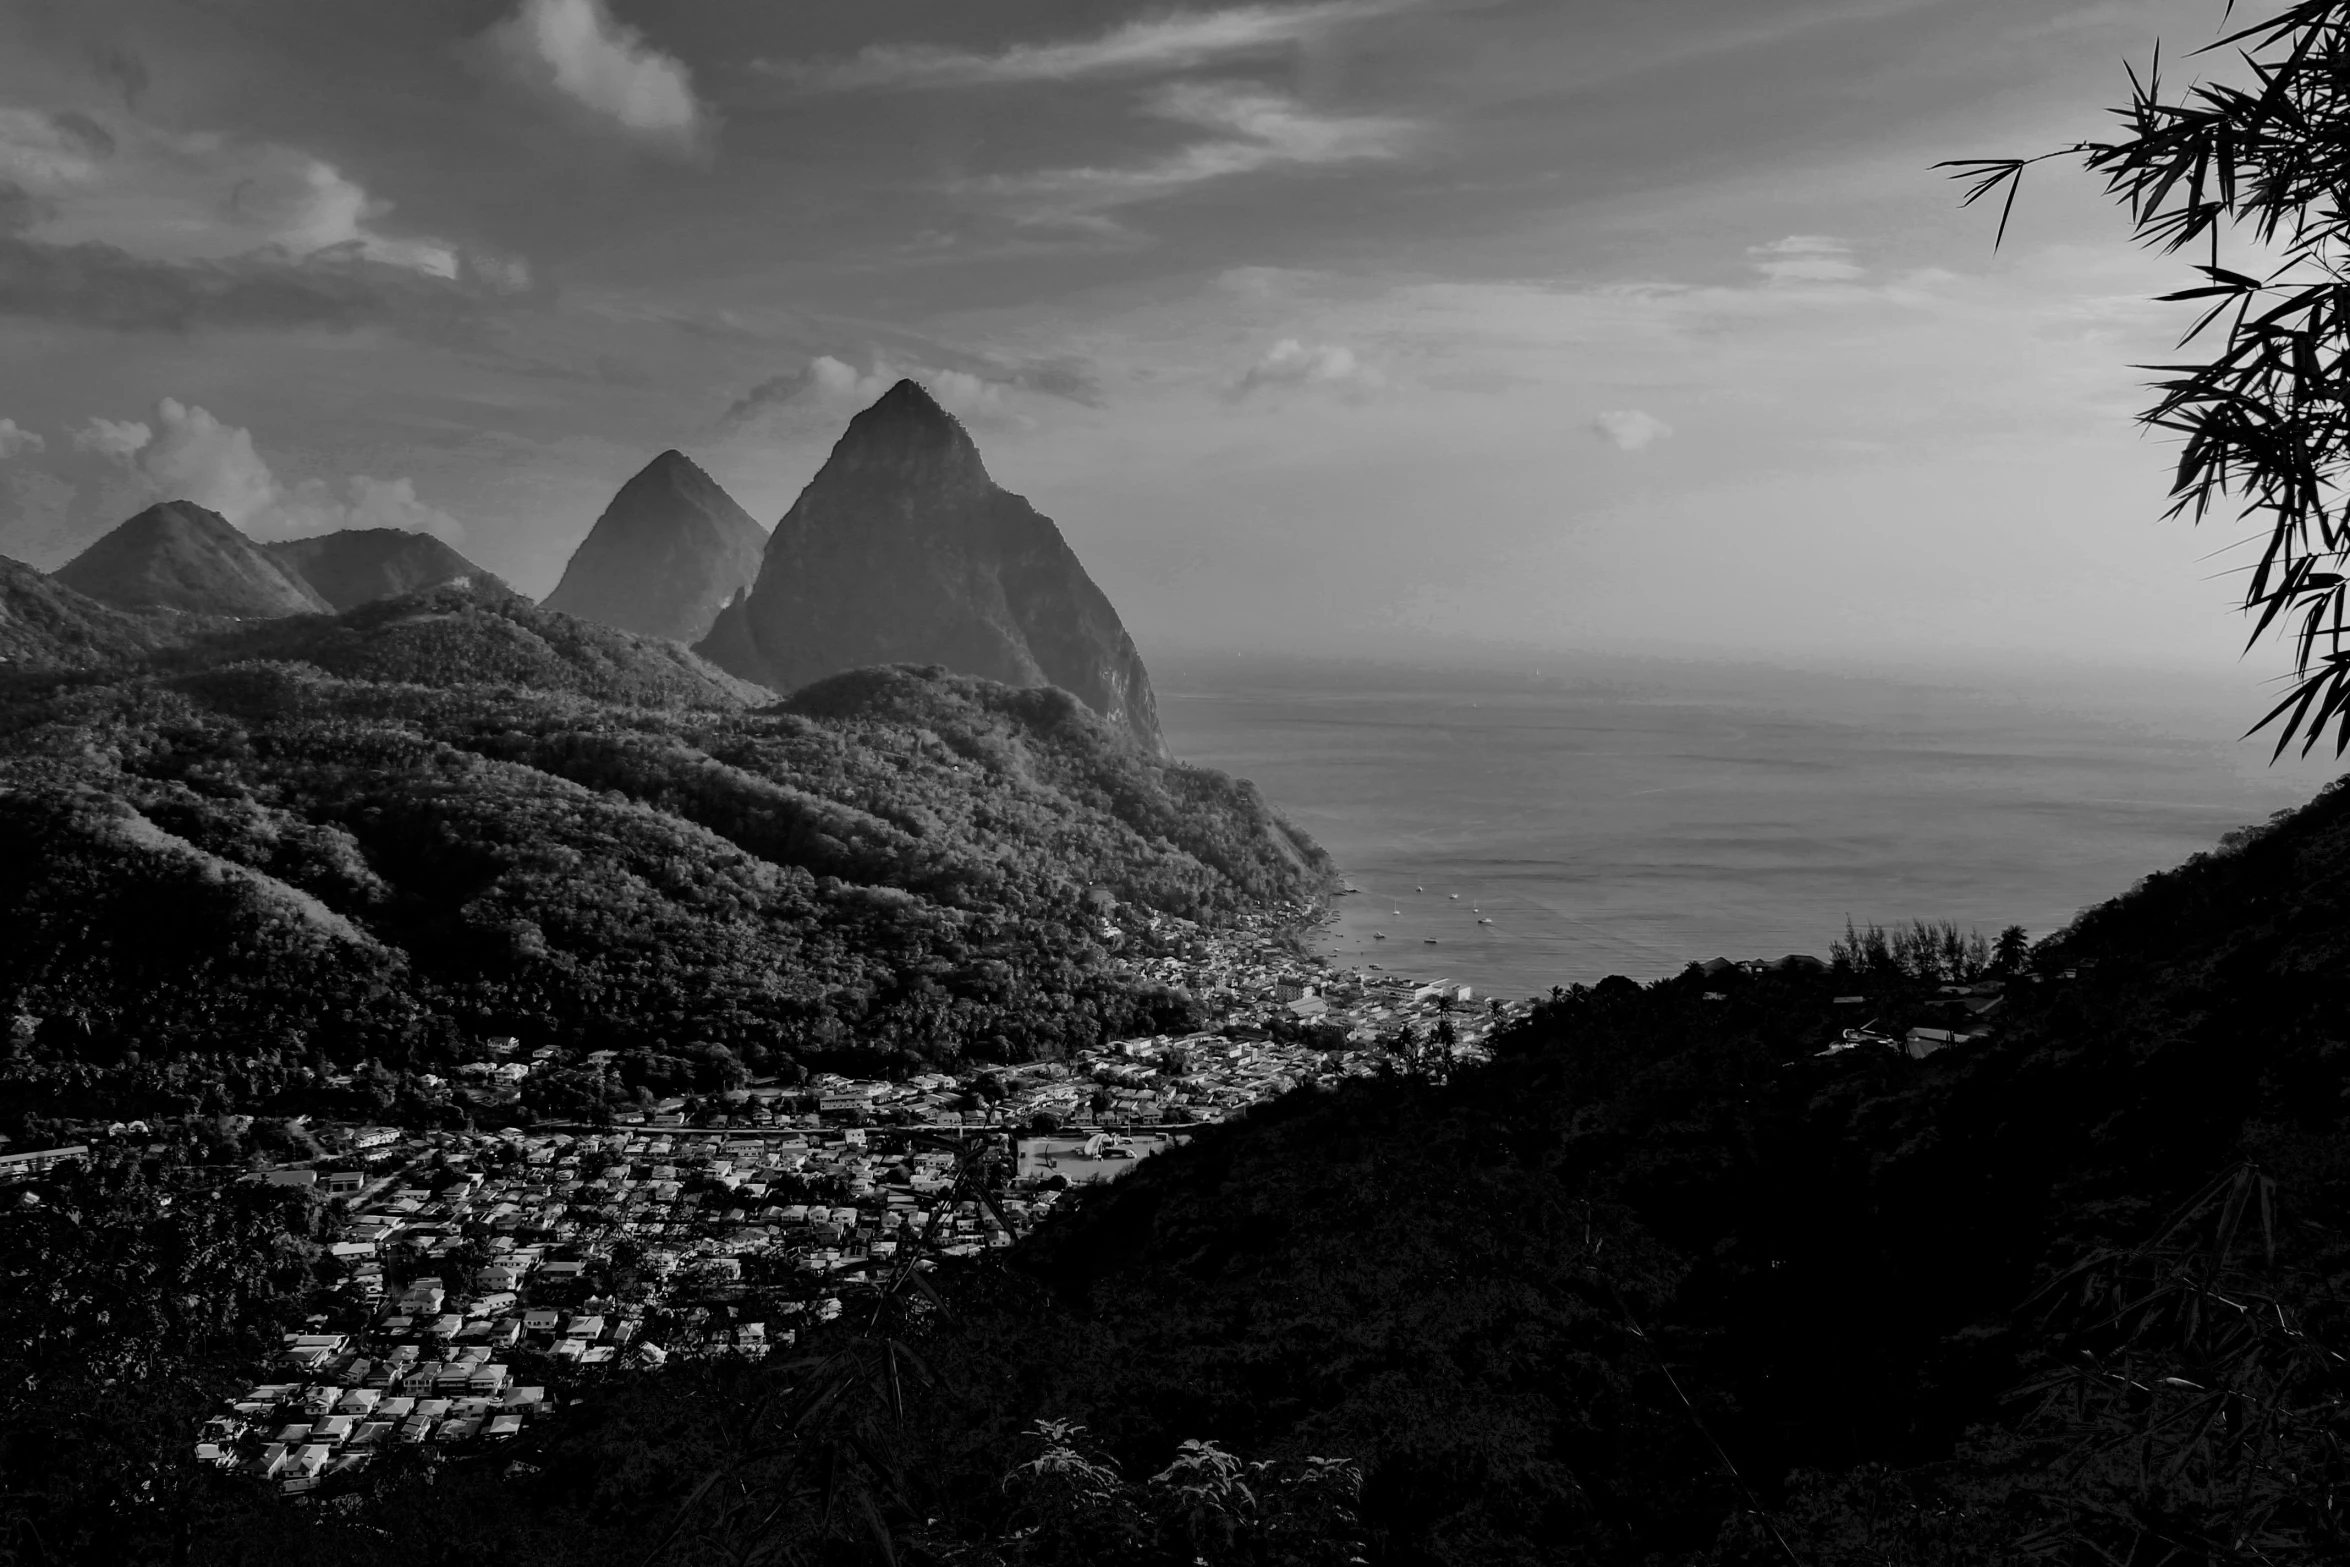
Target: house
point(35, 1162)
point(1923, 1042)
point(344, 1183)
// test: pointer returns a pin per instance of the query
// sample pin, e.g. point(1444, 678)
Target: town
point(483, 1274)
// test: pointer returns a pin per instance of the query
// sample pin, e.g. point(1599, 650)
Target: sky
point(1330, 326)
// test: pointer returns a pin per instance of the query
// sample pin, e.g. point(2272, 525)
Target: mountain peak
point(903, 551)
point(177, 555)
point(910, 398)
point(905, 432)
point(665, 556)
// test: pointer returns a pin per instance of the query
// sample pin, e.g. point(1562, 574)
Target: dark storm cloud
point(122, 69)
point(20, 209)
point(1070, 379)
point(85, 134)
point(100, 285)
point(773, 392)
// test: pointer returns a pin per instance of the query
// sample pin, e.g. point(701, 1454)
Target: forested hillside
point(314, 846)
point(1532, 1301)
point(1663, 1284)
point(46, 625)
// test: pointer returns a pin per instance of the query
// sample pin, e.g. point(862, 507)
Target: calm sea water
point(1626, 818)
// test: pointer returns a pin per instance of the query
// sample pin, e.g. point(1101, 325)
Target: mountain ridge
point(355, 566)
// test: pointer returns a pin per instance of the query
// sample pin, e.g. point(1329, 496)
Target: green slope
point(456, 814)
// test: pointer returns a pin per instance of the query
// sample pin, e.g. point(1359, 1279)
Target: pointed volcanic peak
point(360, 565)
point(178, 556)
point(666, 555)
point(903, 551)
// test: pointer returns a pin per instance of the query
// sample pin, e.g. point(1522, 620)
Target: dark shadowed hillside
point(1479, 1289)
point(47, 625)
point(177, 556)
point(1663, 1284)
point(366, 836)
point(359, 565)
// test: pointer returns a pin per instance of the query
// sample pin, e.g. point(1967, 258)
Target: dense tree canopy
point(453, 816)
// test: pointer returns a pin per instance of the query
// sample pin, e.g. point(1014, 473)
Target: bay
point(1630, 816)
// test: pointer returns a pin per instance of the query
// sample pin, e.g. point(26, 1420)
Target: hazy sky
point(1324, 324)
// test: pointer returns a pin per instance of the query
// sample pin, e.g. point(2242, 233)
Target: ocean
point(1514, 829)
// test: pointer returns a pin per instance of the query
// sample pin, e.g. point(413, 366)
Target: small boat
point(1419, 889)
point(1456, 897)
point(1378, 935)
point(1485, 922)
point(1431, 940)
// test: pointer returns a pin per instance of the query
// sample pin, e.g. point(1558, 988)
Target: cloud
point(1260, 130)
point(1630, 429)
point(116, 438)
point(306, 207)
point(15, 440)
point(196, 457)
point(833, 383)
point(123, 225)
point(1174, 42)
point(1327, 367)
point(42, 151)
point(173, 196)
point(578, 51)
point(1805, 258)
point(189, 454)
point(93, 284)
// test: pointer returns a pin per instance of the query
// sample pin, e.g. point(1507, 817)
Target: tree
point(2264, 417)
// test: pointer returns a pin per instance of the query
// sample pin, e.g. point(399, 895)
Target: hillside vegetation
point(1533, 1301)
point(316, 844)
point(1663, 1284)
point(45, 625)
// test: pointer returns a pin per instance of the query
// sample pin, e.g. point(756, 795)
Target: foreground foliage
point(2264, 426)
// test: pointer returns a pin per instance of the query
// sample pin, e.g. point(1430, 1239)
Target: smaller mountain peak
point(186, 513)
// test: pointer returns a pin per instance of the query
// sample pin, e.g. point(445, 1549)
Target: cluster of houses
point(340, 1408)
point(481, 1269)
